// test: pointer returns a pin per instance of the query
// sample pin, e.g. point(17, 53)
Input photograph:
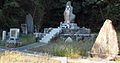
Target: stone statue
point(68, 15)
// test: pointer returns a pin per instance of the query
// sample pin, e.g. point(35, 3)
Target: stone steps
point(51, 34)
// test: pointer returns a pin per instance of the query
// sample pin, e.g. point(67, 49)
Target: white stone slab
point(14, 32)
point(3, 35)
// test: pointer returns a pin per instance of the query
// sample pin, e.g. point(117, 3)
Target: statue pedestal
point(69, 25)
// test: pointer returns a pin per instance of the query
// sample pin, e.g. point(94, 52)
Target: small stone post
point(3, 35)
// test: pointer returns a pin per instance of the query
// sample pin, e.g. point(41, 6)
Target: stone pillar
point(3, 35)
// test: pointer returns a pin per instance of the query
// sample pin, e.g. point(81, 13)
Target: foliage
point(66, 50)
point(22, 57)
point(73, 49)
point(88, 13)
point(27, 39)
point(2, 43)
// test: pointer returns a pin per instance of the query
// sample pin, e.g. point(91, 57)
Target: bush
point(66, 50)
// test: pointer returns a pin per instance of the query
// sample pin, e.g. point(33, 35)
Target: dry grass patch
point(20, 57)
point(72, 49)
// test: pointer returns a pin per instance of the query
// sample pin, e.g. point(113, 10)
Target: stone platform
point(70, 30)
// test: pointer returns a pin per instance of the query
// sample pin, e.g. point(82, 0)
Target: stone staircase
point(50, 35)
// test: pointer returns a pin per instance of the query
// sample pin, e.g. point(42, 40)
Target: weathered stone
point(69, 40)
point(68, 15)
point(24, 28)
point(14, 33)
point(106, 44)
point(13, 40)
point(29, 22)
point(3, 35)
point(68, 29)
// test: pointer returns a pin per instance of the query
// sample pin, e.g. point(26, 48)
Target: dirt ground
point(20, 57)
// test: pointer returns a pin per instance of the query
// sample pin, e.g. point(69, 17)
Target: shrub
point(66, 50)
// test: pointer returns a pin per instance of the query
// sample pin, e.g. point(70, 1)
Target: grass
point(2, 43)
point(20, 57)
point(72, 49)
point(27, 39)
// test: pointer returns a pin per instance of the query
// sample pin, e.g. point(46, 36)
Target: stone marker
point(14, 33)
point(69, 40)
point(106, 44)
point(29, 22)
point(3, 35)
point(13, 40)
point(24, 28)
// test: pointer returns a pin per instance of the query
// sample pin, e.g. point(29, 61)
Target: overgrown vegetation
point(21, 57)
point(27, 39)
point(72, 49)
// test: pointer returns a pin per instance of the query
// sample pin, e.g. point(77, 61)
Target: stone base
point(78, 37)
point(13, 45)
point(69, 25)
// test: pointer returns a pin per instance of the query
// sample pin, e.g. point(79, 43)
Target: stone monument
point(68, 13)
point(13, 37)
point(69, 40)
point(106, 44)
point(14, 33)
point(24, 28)
point(3, 35)
point(29, 22)
point(68, 31)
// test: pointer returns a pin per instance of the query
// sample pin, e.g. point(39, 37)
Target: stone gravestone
point(69, 39)
point(29, 22)
point(106, 44)
point(14, 33)
point(68, 13)
point(3, 35)
point(13, 40)
point(24, 28)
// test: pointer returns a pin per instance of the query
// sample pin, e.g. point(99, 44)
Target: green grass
point(2, 43)
point(72, 50)
point(27, 39)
